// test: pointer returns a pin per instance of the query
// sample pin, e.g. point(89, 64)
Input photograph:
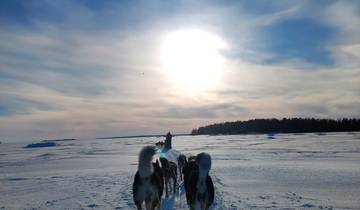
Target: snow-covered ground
point(289, 171)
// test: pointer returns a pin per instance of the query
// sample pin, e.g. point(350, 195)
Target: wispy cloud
point(85, 69)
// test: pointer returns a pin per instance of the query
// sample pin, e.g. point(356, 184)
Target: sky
point(85, 69)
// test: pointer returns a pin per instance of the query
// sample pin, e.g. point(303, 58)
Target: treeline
point(285, 125)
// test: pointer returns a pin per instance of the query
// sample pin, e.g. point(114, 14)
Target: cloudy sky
point(87, 69)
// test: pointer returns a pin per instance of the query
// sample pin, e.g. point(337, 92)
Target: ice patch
point(46, 155)
point(41, 144)
point(271, 136)
point(17, 179)
point(308, 205)
point(92, 205)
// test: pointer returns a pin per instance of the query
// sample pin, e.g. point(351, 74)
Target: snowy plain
point(286, 171)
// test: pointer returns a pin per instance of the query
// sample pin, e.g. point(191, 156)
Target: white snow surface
point(289, 171)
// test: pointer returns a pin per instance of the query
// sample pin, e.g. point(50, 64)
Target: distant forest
point(285, 125)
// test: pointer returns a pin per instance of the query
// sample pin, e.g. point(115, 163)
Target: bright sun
point(192, 59)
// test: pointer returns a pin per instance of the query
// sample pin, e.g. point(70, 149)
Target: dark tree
point(285, 125)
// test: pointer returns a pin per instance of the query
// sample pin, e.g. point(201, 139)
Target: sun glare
point(192, 59)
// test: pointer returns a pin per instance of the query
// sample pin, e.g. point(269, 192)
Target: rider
point(168, 141)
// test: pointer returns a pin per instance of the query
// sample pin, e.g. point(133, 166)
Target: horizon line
point(137, 136)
